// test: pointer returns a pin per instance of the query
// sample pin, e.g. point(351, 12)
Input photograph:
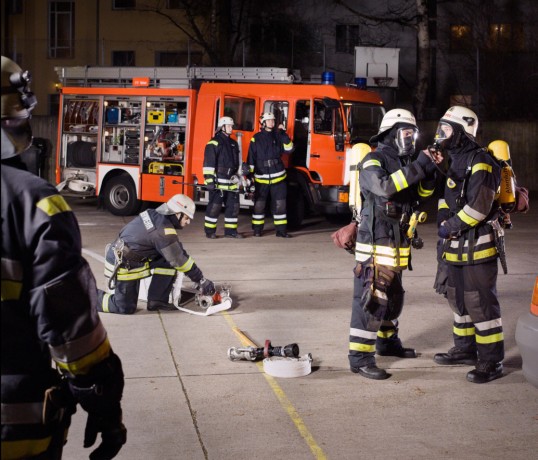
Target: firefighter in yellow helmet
point(149, 246)
point(48, 308)
point(265, 162)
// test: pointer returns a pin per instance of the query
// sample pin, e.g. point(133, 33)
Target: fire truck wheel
point(120, 196)
point(295, 207)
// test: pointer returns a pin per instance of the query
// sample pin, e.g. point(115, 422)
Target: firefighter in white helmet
point(469, 253)
point(265, 162)
point(221, 164)
point(48, 308)
point(149, 246)
point(393, 182)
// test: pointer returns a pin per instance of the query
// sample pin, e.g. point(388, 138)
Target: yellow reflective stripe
point(170, 231)
point(399, 180)
point(11, 290)
point(164, 271)
point(361, 347)
point(288, 146)
point(481, 167)
point(22, 413)
point(258, 221)
point(386, 334)
point(106, 297)
point(227, 187)
point(424, 192)
point(463, 331)
point(83, 365)
point(212, 142)
point(208, 171)
point(73, 350)
point(391, 262)
point(270, 181)
point(382, 250)
point(493, 338)
point(53, 205)
point(467, 218)
point(138, 275)
point(186, 266)
point(369, 163)
point(280, 222)
point(442, 204)
point(209, 225)
point(13, 450)
point(484, 254)
point(252, 139)
point(229, 225)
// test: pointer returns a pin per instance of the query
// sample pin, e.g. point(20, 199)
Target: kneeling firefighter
point(392, 186)
point(149, 246)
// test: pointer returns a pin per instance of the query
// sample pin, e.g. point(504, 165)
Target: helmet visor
point(405, 140)
point(444, 132)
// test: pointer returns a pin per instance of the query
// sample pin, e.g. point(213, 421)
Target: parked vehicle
point(130, 135)
point(527, 339)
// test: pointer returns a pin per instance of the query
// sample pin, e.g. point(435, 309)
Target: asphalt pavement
point(184, 399)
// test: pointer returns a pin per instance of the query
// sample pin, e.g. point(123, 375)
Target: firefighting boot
point(370, 371)
point(154, 305)
point(389, 344)
point(456, 356)
point(485, 371)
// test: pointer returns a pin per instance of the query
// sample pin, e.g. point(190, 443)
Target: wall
point(521, 137)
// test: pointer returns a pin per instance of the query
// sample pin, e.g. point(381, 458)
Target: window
point(123, 4)
point(54, 104)
point(347, 37)
point(61, 29)
point(177, 58)
point(123, 58)
point(242, 112)
point(323, 118)
point(460, 38)
point(506, 37)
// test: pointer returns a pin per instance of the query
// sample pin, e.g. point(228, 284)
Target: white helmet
point(464, 117)
point(267, 116)
point(393, 117)
point(224, 121)
point(178, 204)
point(17, 104)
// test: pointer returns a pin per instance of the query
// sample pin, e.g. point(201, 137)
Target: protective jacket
point(48, 308)
point(221, 161)
point(388, 195)
point(148, 237)
point(264, 155)
point(472, 181)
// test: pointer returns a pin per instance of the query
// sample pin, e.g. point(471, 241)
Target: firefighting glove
point(99, 393)
point(206, 286)
point(210, 186)
point(443, 232)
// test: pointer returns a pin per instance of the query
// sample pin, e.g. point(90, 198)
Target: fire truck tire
point(119, 196)
point(295, 207)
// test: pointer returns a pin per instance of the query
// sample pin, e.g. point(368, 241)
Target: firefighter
point(48, 308)
point(265, 162)
point(149, 246)
point(221, 164)
point(468, 247)
point(392, 186)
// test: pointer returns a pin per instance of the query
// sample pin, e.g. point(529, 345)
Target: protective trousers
point(231, 211)
point(369, 332)
point(277, 194)
point(472, 296)
point(124, 300)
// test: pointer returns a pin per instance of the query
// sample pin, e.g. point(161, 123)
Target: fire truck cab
point(132, 135)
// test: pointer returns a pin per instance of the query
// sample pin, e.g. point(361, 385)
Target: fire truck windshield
point(363, 120)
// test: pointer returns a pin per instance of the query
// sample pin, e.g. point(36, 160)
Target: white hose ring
point(277, 366)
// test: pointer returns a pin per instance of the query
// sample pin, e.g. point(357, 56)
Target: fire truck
point(132, 135)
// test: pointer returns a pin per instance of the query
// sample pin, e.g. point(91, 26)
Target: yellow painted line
point(281, 396)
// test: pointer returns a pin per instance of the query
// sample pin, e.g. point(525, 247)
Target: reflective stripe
point(52, 205)
point(210, 225)
point(463, 331)
point(11, 290)
point(470, 216)
point(164, 271)
point(280, 222)
point(208, 171)
point(362, 347)
point(288, 147)
point(424, 192)
point(14, 450)
point(270, 176)
point(481, 167)
point(480, 240)
point(170, 231)
point(21, 413)
point(399, 180)
point(270, 181)
point(139, 273)
point(362, 334)
point(230, 225)
point(485, 325)
point(476, 256)
point(212, 142)
point(104, 306)
point(383, 255)
point(462, 319)
point(211, 219)
point(369, 163)
point(83, 366)
point(258, 221)
point(186, 266)
point(386, 334)
point(493, 338)
point(442, 204)
point(75, 349)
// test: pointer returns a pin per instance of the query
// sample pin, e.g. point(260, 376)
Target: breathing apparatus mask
point(405, 139)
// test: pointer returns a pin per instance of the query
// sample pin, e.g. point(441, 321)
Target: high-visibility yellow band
point(362, 347)
point(464, 331)
point(493, 338)
point(53, 205)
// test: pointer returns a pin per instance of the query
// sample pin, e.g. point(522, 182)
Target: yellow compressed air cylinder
point(358, 152)
point(507, 190)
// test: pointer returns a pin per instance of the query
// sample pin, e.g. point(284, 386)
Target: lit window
point(460, 38)
point(506, 36)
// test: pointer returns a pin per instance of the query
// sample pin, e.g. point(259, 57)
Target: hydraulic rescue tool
point(255, 353)
point(416, 218)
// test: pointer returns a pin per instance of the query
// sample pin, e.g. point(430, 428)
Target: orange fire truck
point(136, 134)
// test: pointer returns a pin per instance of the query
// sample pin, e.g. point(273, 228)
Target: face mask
point(406, 141)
